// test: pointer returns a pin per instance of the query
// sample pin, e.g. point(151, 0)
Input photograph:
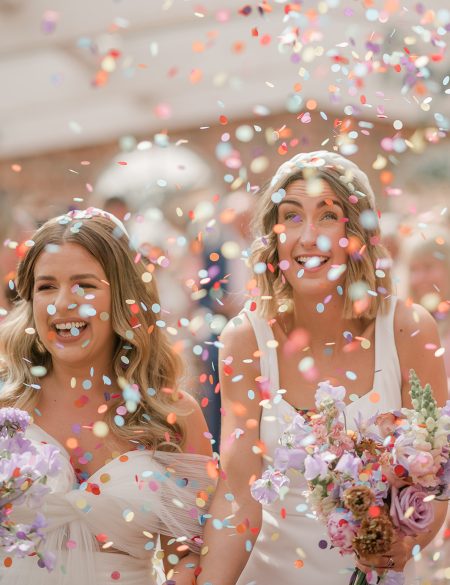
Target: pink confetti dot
point(115, 575)
point(284, 264)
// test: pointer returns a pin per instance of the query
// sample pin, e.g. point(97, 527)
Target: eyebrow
point(322, 203)
point(73, 277)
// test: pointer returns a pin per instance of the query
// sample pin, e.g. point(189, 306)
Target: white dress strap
point(268, 358)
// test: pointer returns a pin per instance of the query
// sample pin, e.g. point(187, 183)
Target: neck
point(67, 382)
point(326, 326)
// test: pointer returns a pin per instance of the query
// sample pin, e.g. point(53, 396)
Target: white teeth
point(311, 261)
point(70, 325)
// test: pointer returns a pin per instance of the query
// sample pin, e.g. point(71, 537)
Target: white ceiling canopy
point(85, 72)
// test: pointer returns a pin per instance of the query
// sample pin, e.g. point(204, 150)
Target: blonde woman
point(322, 310)
point(85, 353)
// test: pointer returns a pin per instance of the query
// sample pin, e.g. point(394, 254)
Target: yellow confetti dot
point(105, 477)
point(100, 429)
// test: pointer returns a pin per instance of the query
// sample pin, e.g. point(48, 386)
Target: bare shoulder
point(417, 341)
point(410, 318)
point(196, 440)
point(238, 335)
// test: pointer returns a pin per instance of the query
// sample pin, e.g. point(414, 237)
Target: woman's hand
point(393, 560)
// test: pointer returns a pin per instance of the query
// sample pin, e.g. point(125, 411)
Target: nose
point(65, 298)
point(308, 235)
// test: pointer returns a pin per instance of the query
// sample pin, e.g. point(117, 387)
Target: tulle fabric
point(142, 494)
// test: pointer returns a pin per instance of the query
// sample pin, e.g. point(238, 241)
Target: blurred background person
point(427, 258)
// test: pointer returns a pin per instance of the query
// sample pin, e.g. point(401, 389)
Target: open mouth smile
point(69, 329)
point(311, 262)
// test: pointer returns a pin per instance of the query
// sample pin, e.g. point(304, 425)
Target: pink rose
point(423, 468)
point(386, 423)
point(411, 497)
point(341, 531)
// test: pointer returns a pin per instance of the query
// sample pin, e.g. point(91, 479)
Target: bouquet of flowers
point(370, 484)
point(23, 475)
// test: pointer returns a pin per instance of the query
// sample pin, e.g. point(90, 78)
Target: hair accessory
point(89, 213)
point(323, 158)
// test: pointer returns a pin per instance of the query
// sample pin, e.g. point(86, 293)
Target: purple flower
point(407, 499)
point(326, 394)
point(349, 465)
point(13, 420)
point(315, 466)
point(267, 489)
point(286, 458)
point(392, 578)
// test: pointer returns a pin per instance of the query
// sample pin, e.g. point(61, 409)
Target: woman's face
point(72, 306)
point(429, 275)
point(310, 255)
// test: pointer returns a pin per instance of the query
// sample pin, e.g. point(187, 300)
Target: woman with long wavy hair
point(84, 351)
point(321, 309)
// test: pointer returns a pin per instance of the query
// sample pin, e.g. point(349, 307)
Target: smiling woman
point(84, 352)
point(321, 309)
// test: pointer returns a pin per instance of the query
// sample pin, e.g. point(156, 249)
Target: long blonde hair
point(153, 369)
point(274, 290)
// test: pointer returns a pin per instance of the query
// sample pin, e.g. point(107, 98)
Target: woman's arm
point(235, 516)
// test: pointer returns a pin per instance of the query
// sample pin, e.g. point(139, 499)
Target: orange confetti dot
point(223, 120)
point(214, 256)
point(16, 168)
point(374, 397)
point(299, 564)
point(72, 443)
point(298, 87)
point(386, 177)
point(7, 562)
point(311, 104)
point(251, 423)
point(171, 418)
point(374, 511)
point(198, 47)
point(239, 409)
point(279, 228)
point(123, 458)
point(211, 470)
point(265, 40)
point(195, 75)
point(238, 47)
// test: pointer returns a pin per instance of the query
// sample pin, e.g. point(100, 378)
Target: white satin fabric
point(142, 493)
point(289, 549)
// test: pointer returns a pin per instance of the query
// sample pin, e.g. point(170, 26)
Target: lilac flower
point(326, 394)
point(24, 470)
point(315, 466)
point(267, 489)
point(286, 458)
point(349, 465)
point(13, 420)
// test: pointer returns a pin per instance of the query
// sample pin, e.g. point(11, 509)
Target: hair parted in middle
point(366, 256)
point(150, 378)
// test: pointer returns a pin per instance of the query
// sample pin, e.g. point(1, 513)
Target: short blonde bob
point(153, 369)
point(366, 265)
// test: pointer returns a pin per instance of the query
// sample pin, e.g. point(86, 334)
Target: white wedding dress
point(289, 532)
point(142, 493)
